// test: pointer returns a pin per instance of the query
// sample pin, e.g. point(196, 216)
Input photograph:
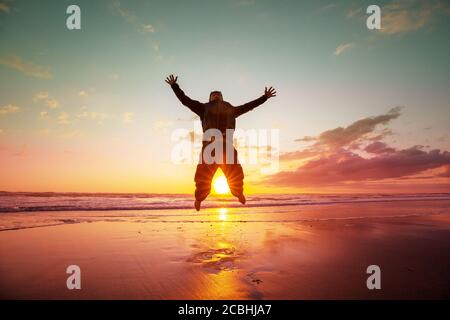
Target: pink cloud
point(358, 130)
point(378, 147)
point(345, 166)
point(336, 158)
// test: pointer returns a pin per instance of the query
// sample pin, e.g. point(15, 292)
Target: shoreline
point(277, 214)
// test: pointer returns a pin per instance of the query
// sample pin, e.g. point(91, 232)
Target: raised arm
point(268, 93)
point(195, 106)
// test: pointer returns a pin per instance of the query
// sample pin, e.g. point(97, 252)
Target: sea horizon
point(107, 201)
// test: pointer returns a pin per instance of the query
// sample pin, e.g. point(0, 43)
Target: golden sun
point(221, 185)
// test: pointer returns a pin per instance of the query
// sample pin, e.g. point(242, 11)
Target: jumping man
point(220, 115)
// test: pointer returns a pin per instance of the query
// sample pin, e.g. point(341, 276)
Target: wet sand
point(312, 252)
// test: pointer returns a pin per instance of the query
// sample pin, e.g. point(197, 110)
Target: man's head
point(215, 96)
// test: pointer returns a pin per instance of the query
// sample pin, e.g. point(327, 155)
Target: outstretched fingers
point(171, 79)
point(270, 92)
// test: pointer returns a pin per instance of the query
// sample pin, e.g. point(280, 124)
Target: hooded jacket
point(219, 115)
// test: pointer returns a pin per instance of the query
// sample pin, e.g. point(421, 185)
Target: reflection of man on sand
point(218, 115)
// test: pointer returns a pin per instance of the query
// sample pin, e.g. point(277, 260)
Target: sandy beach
point(293, 252)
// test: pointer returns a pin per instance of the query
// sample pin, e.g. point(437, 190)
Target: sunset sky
point(357, 110)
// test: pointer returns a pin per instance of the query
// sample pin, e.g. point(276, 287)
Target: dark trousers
point(205, 172)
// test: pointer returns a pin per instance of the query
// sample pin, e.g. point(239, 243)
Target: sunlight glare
point(223, 214)
point(221, 185)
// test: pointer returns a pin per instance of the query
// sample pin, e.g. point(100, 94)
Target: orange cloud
point(4, 6)
point(342, 47)
point(8, 109)
point(406, 16)
point(128, 117)
point(131, 18)
point(28, 68)
point(52, 103)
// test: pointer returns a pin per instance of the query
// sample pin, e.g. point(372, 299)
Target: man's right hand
point(171, 80)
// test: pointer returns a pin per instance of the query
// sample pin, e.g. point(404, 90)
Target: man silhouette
point(218, 114)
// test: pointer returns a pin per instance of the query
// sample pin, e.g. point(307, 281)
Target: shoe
point(197, 205)
point(241, 198)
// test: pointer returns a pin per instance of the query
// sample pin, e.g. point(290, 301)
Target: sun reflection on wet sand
point(221, 255)
point(223, 214)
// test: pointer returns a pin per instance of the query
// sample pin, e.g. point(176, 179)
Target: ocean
point(51, 201)
point(19, 210)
